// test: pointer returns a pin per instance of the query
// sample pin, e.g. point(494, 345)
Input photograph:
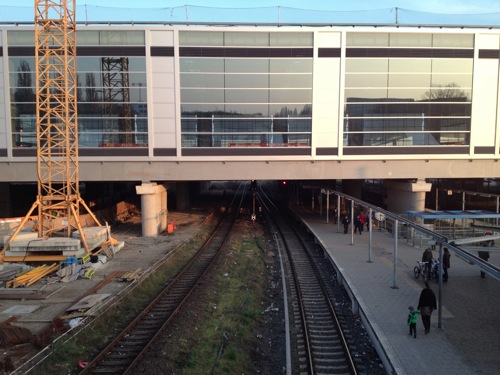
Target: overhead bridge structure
point(159, 103)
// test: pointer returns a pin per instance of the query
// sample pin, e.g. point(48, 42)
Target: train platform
point(466, 341)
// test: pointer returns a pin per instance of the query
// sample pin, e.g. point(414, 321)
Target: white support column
point(406, 196)
point(153, 207)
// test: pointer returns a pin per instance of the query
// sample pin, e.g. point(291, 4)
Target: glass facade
point(233, 95)
point(244, 88)
point(412, 89)
point(112, 92)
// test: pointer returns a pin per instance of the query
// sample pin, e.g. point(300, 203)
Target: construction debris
point(131, 276)
point(8, 273)
point(30, 277)
point(87, 306)
point(13, 335)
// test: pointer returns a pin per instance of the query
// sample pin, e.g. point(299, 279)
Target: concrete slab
point(95, 236)
point(45, 245)
point(92, 233)
point(24, 235)
point(21, 309)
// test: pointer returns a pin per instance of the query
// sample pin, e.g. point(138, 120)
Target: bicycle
point(421, 269)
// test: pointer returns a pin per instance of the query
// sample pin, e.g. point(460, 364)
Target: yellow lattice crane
point(58, 201)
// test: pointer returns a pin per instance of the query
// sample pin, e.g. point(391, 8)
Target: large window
point(408, 89)
point(243, 89)
point(112, 102)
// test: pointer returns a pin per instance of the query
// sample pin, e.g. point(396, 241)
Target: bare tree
point(448, 91)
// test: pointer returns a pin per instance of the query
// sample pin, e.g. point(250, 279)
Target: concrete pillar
point(163, 208)
point(405, 196)
point(153, 208)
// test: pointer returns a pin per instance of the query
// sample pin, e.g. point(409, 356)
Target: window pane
point(290, 109)
point(407, 109)
point(247, 81)
point(121, 37)
point(452, 66)
point(21, 37)
point(410, 80)
point(246, 39)
point(290, 65)
point(290, 96)
point(257, 110)
point(365, 95)
point(453, 40)
point(408, 94)
point(447, 94)
point(365, 80)
point(202, 95)
point(21, 64)
point(452, 80)
point(410, 65)
point(290, 81)
point(87, 37)
point(367, 65)
point(410, 40)
point(202, 80)
point(247, 65)
point(406, 139)
point(246, 96)
point(291, 39)
point(201, 38)
point(367, 39)
point(201, 65)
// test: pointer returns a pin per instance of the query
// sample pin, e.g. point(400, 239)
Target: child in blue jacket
point(412, 320)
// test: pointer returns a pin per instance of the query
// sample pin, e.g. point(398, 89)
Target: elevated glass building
point(318, 93)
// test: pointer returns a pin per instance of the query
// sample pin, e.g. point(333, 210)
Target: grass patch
point(223, 332)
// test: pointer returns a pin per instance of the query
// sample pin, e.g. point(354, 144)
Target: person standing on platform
point(346, 221)
point(412, 320)
point(427, 258)
point(484, 255)
point(446, 264)
point(426, 305)
point(357, 225)
point(362, 220)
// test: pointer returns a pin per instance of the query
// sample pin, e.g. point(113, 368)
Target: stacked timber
point(32, 276)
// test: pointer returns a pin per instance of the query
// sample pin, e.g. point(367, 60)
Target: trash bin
point(170, 228)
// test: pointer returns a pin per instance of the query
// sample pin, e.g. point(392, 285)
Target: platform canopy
point(454, 214)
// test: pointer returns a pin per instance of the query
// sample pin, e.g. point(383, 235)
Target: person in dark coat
point(446, 264)
point(346, 221)
point(426, 305)
point(357, 225)
point(484, 255)
point(427, 257)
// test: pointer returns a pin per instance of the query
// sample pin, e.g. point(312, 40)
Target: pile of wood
point(131, 276)
point(32, 276)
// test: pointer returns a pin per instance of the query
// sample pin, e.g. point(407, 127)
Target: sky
point(466, 12)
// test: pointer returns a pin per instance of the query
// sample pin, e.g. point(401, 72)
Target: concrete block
point(22, 235)
point(95, 236)
point(46, 245)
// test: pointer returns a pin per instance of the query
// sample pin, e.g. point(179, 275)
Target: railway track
point(123, 353)
point(320, 346)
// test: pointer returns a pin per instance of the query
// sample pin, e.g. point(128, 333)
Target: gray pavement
point(467, 341)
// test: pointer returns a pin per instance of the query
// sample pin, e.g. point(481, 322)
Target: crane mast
point(58, 200)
